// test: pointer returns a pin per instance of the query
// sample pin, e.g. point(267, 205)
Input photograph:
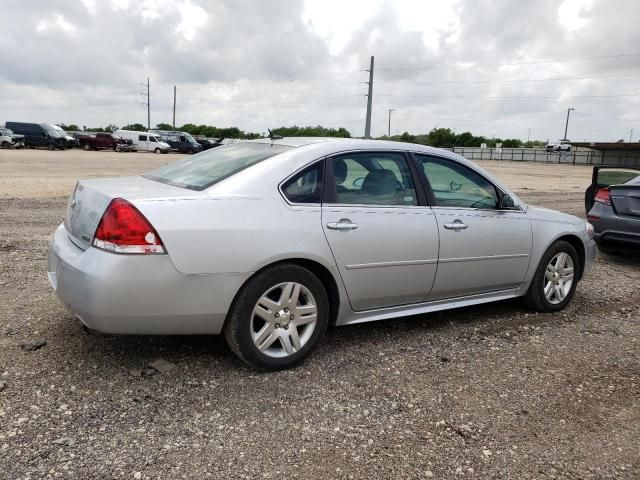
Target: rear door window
point(373, 179)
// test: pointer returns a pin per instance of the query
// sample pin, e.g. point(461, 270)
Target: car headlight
point(589, 229)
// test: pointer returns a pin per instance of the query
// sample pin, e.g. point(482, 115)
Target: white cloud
point(573, 14)
point(262, 64)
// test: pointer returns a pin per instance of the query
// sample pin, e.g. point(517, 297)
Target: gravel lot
point(485, 392)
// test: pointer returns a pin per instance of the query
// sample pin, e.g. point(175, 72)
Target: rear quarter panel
point(236, 235)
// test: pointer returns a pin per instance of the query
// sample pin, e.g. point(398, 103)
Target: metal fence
point(577, 156)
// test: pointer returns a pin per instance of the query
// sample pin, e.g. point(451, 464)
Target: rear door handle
point(343, 224)
point(457, 225)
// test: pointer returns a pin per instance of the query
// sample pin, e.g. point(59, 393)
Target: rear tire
point(87, 147)
point(292, 315)
point(51, 147)
point(550, 289)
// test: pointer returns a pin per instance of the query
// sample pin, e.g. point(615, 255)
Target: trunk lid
point(626, 199)
point(91, 198)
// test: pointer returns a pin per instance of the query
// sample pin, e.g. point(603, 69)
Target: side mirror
point(507, 202)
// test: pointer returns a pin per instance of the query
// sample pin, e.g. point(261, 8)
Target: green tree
point(138, 127)
point(311, 131)
point(164, 126)
point(441, 137)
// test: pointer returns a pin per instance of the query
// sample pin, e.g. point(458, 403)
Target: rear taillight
point(603, 195)
point(123, 229)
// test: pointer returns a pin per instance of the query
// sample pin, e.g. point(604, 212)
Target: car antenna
point(273, 136)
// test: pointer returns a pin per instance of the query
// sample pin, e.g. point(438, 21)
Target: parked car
point(558, 147)
point(612, 202)
point(208, 143)
point(179, 141)
point(269, 241)
point(70, 141)
point(145, 141)
point(38, 135)
point(8, 139)
point(99, 141)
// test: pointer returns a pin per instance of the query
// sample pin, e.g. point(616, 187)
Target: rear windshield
point(633, 181)
point(207, 168)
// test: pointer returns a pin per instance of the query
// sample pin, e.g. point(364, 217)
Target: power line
point(251, 83)
point(535, 62)
point(554, 79)
point(475, 97)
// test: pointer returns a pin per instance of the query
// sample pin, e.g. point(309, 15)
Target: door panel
point(384, 243)
point(491, 253)
point(482, 248)
point(389, 258)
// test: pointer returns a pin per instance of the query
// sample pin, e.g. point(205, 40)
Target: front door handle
point(456, 225)
point(343, 224)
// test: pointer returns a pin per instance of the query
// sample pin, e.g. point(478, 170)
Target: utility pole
point(566, 126)
point(528, 135)
point(367, 125)
point(389, 128)
point(630, 135)
point(174, 107)
point(147, 103)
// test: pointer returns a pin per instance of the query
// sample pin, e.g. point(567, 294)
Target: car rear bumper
point(137, 294)
point(610, 227)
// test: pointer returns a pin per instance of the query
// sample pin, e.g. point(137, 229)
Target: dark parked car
point(39, 135)
point(612, 202)
point(69, 141)
point(179, 141)
point(98, 141)
point(208, 143)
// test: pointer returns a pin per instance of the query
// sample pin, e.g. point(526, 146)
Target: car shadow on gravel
point(126, 353)
point(625, 257)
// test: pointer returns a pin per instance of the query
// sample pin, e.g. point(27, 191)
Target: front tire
point(157, 150)
point(278, 317)
point(555, 280)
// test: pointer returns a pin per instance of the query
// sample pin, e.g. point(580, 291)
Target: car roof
point(298, 141)
point(347, 144)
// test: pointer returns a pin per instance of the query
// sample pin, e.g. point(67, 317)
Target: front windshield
point(152, 138)
point(201, 171)
point(189, 138)
point(52, 130)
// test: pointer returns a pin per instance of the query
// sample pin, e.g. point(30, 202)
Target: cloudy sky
point(499, 67)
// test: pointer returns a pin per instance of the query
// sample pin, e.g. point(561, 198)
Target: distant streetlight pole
point(566, 126)
point(389, 127)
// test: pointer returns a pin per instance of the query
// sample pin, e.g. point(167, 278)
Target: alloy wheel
point(558, 278)
point(283, 319)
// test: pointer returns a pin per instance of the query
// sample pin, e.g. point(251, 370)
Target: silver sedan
point(271, 241)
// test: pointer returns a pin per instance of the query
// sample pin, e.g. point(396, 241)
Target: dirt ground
point(494, 391)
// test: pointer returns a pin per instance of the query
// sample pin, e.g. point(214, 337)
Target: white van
point(145, 141)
